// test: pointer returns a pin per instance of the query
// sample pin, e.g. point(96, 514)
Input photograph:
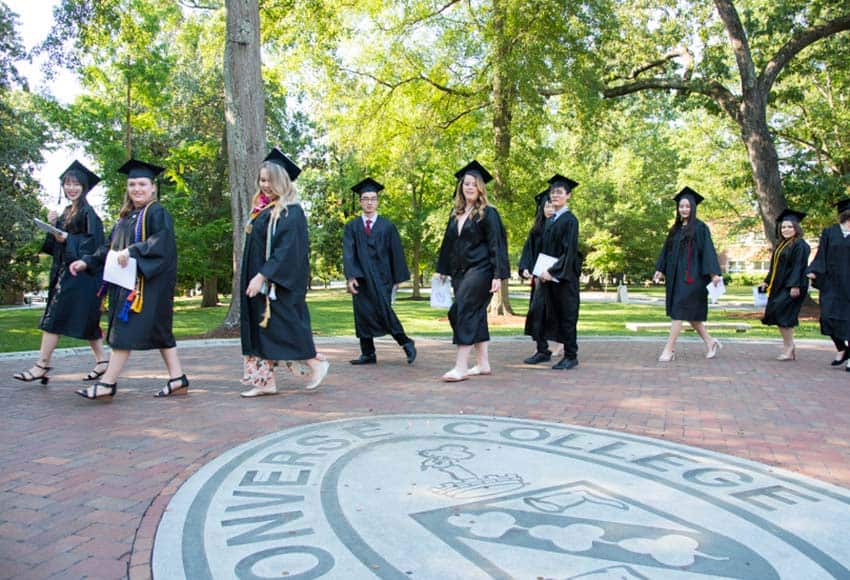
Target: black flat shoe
point(410, 351)
point(566, 364)
point(844, 358)
point(95, 374)
point(538, 357)
point(365, 359)
point(180, 389)
point(95, 391)
point(28, 377)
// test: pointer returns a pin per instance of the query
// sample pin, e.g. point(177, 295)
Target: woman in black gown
point(786, 283)
point(275, 322)
point(688, 262)
point(141, 318)
point(73, 307)
point(474, 253)
point(534, 318)
point(830, 273)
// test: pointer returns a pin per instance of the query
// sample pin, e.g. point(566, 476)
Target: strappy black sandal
point(181, 389)
point(28, 377)
point(95, 374)
point(94, 395)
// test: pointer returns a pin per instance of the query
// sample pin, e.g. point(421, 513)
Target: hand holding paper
point(115, 273)
point(715, 291)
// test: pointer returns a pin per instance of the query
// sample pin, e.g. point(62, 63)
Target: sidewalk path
point(83, 484)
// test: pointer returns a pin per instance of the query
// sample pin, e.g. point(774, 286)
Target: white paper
point(759, 298)
point(48, 228)
point(715, 292)
point(441, 292)
point(543, 263)
point(115, 274)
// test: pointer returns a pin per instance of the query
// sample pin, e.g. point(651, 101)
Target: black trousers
point(840, 343)
point(367, 345)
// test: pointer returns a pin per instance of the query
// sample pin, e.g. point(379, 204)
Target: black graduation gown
point(688, 300)
point(473, 259)
point(73, 307)
point(156, 262)
point(781, 309)
point(377, 262)
point(288, 335)
point(534, 319)
point(561, 299)
point(831, 267)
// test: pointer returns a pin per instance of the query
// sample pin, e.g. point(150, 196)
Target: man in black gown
point(373, 263)
point(559, 282)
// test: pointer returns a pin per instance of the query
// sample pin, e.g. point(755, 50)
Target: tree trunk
point(245, 116)
point(764, 163)
point(209, 287)
point(503, 99)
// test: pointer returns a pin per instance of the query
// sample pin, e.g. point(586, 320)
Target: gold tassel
point(139, 299)
point(267, 314)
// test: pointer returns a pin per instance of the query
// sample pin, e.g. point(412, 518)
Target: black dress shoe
point(538, 357)
point(365, 359)
point(410, 351)
point(842, 360)
point(566, 364)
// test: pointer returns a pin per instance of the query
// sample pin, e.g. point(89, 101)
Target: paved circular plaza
point(623, 468)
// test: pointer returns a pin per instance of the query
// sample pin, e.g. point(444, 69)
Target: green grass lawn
point(331, 315)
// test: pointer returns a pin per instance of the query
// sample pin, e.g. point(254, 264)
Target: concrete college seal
point(441, 497)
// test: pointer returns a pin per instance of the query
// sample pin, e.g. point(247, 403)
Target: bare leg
point(700, 328)
point(787, 340)
point(462, 359)
point(98, 350)
point(172, 362)
point(116, 365)
point(42, 365)
point(482, 350)
point(675, 330)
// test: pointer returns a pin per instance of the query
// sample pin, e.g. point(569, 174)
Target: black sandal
point(181, 389)
point(28, 377)
point(94, 374)
point(94, 393)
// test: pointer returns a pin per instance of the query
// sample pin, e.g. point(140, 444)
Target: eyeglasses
point(369, 199)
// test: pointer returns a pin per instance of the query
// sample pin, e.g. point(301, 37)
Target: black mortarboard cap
point(791, 215)
point(541, 197)
point(276, 156)
point(135, 168)
point(688, 191)
point(89, 179)
point(475, 168)
point(367, 185)
point(842, 204)
point(559, 180)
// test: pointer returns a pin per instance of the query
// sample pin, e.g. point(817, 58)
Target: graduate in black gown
point(139, 318)
point(688, 263)
point(786, 283)
point(830, 273)
point(275, 322)
point(559, 283)
point(474, 253)
point(73, 307)
point(373, 263)
point(534, 318)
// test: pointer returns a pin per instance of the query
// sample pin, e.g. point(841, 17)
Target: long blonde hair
point(281, 186)
point(480, 203)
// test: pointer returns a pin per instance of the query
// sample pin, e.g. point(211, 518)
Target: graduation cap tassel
point(138, 300)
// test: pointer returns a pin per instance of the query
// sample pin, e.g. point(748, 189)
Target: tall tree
point(763, 43)
point(245, 117)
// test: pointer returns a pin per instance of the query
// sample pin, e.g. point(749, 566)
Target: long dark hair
point(75, 207)
point(539, 219)
point(677, 224)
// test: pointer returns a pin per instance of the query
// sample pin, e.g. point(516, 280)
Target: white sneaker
point(318, 376)
point(258, 392)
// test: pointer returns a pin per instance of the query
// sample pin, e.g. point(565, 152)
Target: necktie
point(368, 227)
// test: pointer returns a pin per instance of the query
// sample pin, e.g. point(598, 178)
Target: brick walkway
point(83, 485)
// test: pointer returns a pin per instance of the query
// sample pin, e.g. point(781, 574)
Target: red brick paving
point(83, 485)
